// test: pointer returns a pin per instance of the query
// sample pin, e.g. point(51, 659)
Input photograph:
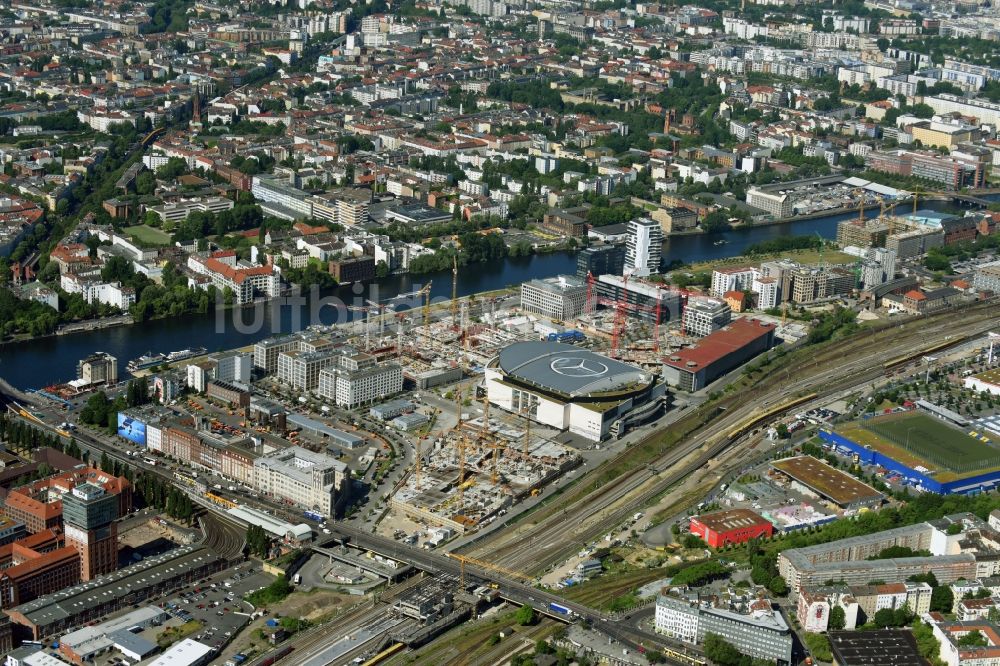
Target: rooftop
point(719, 344)
point(839, 487)
point(567, 370)
point(733, 519)
point(884, 647)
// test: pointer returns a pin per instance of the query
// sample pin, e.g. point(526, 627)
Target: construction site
point(470, 474)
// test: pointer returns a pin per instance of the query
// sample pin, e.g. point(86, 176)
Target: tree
point(942, 599)
point(778, 586)
point(973, 639)
point(381, 270)
point(838, 619)
point(145, 183)
point(525, 615)
point(721, 652)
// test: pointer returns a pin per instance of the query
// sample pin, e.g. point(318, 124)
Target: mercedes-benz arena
point(568, 388)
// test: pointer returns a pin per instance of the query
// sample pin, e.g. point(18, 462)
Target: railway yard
point(483, 504)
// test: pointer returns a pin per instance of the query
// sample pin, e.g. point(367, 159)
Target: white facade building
point(308, 479)
point(643, 247)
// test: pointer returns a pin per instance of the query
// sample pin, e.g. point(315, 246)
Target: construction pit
point(470, 477)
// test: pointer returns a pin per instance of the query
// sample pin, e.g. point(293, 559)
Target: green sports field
point(148, 235)
point(942, 446)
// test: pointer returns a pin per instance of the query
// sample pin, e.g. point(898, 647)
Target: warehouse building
point(732, 526)
point(569, 388)
point(697, 366)
point(71, 607)
point(817, 479)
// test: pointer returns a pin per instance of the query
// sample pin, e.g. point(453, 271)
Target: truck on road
point(559, 609)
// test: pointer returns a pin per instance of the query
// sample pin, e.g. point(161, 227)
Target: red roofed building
point(246, 282)
point(41, 574)
point(734, 526)
point(737, 300)
point(39, 505)
point(696, 367)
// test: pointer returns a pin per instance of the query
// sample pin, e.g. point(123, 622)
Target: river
point(45, 361)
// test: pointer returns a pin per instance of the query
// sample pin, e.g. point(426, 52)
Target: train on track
point(385, 654)
point(900, 362)
point(760, 417)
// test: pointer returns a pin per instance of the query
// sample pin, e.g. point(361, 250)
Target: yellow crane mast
point(454, 291)
point(463, 560)
point(426, 293)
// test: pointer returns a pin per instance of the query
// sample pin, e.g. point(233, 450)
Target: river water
point(45, 361)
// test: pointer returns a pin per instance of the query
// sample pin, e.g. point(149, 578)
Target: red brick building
point(732, 526)
point(39, 505)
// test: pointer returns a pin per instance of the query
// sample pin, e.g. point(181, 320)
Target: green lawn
point(148, 235)
point(934, 440)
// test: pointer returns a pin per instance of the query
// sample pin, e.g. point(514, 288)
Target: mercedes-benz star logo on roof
point(572, 366)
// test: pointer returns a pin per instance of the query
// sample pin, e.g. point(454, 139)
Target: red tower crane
point(622, 308)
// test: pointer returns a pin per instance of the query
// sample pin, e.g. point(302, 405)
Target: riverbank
point(871, 210)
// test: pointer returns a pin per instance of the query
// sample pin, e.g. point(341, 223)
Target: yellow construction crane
point(485, 566)
point(527, 433)
point(454, 291)
point(461, 470)
point(426, 293)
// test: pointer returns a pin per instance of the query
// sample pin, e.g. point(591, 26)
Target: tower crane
point(425, 291)
point(454, 291)
point(463, 560)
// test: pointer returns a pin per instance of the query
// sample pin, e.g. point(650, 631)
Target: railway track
point(833, 369)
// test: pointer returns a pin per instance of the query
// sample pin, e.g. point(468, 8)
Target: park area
point(148, 236)
point(919, 440)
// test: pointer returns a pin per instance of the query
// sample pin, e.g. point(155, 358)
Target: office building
point(647, 301)
point(281, 199)
point(357, 379)
point(314, 481)
point(777, 203)
point(953, 172)
point(39, 505)
point(562, 297)
point(98, 368)
point(704, 316)
point(914, 242)
point(870, 232)
point(232, 367)
point(89, 514)
point(756, 629)
point(987, 277)
point(643, 247)
point(597, 261)
point(265, 352)
point(300, 369)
